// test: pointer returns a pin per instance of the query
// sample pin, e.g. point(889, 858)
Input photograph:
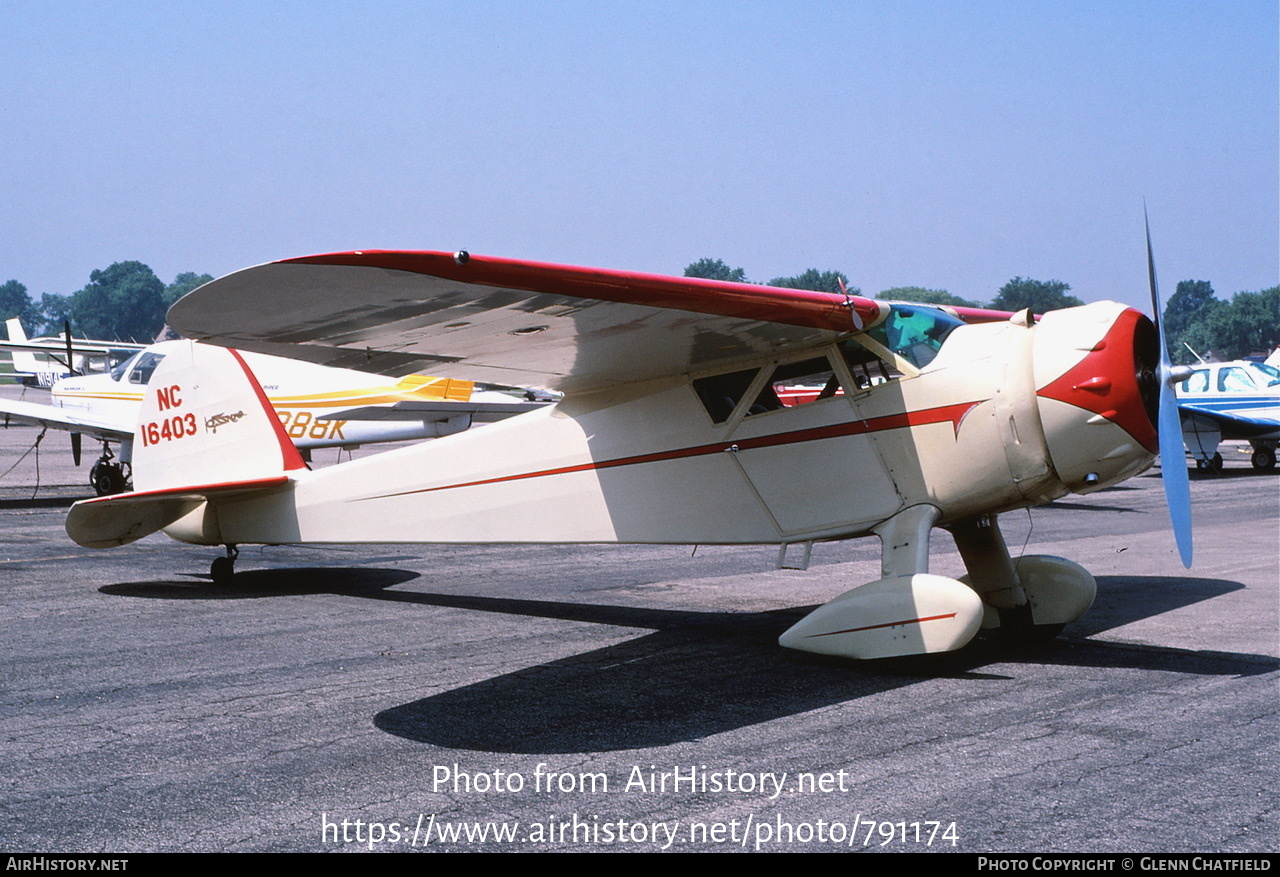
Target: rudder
point(206, 420)
point(205, 429)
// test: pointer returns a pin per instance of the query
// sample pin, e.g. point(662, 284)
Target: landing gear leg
point(1027, 600)
point(107, 476)
point(224, 568)
point(1210, 464)
point(906, 612)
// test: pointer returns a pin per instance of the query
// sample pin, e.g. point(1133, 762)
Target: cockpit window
point(120, 369)
point(146, 364)
point(915, 333)
point(1198, 382)
point(1235, 380)
point(1266, 375)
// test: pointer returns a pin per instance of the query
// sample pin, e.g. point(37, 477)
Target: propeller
point(71, 371)
point(1173, 463)
point(66, 330)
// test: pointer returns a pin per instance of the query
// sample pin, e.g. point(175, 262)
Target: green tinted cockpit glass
point(915, 333)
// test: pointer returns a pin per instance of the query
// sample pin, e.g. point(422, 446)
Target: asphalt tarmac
point(626, 698)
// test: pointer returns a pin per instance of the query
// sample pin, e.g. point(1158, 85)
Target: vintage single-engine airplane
point(1231, 400)
point(318, 407)
point(670, 429)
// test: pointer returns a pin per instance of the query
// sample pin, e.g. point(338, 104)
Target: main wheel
point(107, 478)
point(1264, 459)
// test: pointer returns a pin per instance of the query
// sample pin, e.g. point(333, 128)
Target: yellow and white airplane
point(317, 406)
point(670, 429)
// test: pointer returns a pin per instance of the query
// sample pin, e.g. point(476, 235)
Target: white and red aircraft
point(318, 407)
point(670, 429)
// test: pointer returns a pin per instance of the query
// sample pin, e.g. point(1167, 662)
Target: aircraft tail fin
point(205, 429)
point(24, 361)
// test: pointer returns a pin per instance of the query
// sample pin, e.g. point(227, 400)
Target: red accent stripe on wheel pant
point(886, 624)
point(952, 414)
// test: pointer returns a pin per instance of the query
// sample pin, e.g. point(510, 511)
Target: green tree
point(1039, 295)
point(1255, 322)
point(1193, 316)
point(55, 310)
point(714, 269)
point(927, 296)
point(819, 281)
point(1248, 324)
point(14, 302)
point(182, 284)
point(124, 302)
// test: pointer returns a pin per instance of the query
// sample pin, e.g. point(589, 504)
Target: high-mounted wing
point(88, 348)
point(18, 340)
point(509, 322)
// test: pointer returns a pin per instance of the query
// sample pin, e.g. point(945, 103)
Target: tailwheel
point(223, 569)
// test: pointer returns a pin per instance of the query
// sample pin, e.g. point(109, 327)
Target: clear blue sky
point(943, 144)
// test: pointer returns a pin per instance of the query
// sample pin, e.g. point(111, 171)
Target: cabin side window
point(801, 383)
point(788, 384)
point(147, 363)
point(1235, 380)
point(1198, 382)
point(868, 369)
point(720, 394)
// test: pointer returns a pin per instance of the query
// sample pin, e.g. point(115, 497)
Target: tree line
point(127, 302)
point(123, 302)
point(1194, 318)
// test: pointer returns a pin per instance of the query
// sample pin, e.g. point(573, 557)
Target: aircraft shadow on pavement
point(37, 502)
point(703, 673)
point(698, 673)
point(358, 581)
point(1123, 600)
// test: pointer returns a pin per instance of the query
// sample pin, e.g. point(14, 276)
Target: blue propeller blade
point(1173, 461)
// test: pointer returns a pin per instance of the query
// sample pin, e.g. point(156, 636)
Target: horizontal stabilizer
point(109, 521)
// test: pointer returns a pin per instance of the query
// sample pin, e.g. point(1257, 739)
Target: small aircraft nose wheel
point(224, 568)
point(1264, 459)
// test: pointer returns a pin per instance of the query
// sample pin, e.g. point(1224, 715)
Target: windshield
point(1270, 374)
point(915, 333)
point(119, 370)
